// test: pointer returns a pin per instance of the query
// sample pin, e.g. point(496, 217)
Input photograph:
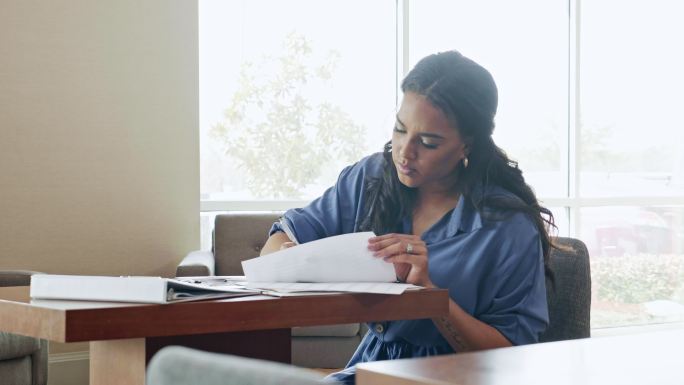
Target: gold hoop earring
point(465, 162)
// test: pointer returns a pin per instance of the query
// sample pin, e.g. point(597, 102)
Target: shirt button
point(379, 328)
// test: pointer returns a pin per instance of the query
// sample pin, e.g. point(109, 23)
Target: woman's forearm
point(466, 333)
point(274, 243)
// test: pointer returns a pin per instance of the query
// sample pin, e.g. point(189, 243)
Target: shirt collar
point(465, 218)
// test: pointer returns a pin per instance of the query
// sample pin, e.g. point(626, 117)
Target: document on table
point(341, 258)
point(295, 288)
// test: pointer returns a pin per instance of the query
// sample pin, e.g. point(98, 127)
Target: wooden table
point(638, 359)
point(123, 337)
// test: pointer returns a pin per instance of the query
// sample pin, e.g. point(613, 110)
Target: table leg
point(114, 362)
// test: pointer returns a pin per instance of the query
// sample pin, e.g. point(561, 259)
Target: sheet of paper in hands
point(342, 258)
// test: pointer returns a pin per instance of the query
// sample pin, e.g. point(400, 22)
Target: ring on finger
point(409, 248)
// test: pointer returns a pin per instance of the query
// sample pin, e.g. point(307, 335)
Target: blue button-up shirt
point(493, 268)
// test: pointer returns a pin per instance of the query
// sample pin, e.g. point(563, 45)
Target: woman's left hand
point(410, 262)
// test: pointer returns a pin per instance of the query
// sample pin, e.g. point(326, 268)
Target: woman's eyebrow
point(425, 134)
point(400, 122)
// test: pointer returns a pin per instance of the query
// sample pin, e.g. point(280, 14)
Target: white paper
point(342, 258)
point(348, 287)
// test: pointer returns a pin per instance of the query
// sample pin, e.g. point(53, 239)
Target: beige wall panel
point(99, 164)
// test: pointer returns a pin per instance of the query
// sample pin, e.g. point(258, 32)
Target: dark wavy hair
point(466, 93)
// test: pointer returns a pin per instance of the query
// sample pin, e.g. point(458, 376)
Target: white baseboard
point(68, 368)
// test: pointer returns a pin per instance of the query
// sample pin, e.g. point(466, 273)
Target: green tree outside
point(279, 135)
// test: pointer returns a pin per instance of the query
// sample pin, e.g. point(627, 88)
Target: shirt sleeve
point(333, 213)
point(518, 307)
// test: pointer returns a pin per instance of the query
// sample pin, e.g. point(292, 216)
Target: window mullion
point(574, 116)
point(402, 42)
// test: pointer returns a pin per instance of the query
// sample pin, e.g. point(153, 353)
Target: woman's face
point(426, 147)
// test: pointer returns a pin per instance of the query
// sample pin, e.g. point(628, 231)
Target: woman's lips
point(404, 169)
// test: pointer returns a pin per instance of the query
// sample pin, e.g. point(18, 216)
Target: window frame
point(572, 203)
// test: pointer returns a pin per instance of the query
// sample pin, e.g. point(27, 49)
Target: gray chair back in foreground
point(570, 298)
point(175, 365)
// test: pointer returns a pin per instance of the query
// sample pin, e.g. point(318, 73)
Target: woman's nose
point(407, 149)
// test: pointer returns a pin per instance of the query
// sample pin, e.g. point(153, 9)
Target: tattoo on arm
point(451, 334)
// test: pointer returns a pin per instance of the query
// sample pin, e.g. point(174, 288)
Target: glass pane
point(632, 134)
point(560, 217)
point(524, 44)
point(637, 264)
point(207, 228)
point(290, 92)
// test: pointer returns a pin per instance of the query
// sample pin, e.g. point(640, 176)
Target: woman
point(451, 210)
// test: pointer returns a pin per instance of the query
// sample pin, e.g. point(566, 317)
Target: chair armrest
point(196, 264)
point(16, 277)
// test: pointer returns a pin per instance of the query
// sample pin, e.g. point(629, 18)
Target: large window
point(631, 159)
point(292, 91)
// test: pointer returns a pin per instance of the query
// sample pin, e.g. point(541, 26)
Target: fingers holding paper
point(391, 244)
point(408, 253)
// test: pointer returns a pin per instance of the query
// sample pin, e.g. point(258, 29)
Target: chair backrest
point(570, 298)
point(239, 236)
point(175, 365)
point(16, 277)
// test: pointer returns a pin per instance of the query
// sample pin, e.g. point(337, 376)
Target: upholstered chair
point(175, 365)
point(569, 298)
point(23, 360)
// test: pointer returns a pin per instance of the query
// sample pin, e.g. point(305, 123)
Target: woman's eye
point(425, 142)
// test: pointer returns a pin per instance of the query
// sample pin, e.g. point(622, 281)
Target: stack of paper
point(341, 263)
point(283, 289)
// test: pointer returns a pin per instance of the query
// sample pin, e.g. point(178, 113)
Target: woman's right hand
point(276, 242)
